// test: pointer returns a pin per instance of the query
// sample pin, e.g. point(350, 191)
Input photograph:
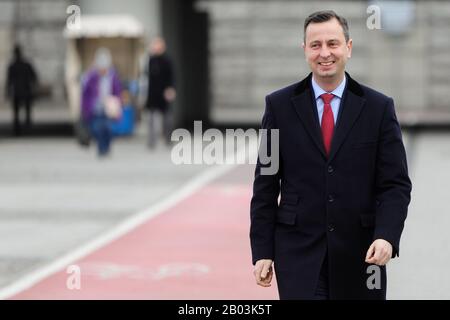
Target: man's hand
point(379, 253)
point(170, 94)
point(263, 272)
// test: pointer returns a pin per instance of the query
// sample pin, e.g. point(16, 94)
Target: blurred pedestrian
point(161, 90)
point(20, 85)
point(101, 99)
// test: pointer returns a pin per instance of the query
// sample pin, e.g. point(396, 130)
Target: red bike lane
point(197, 249)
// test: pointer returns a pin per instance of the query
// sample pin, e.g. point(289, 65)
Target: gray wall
point(146, 11)
point(255, 49)
point(37, 26)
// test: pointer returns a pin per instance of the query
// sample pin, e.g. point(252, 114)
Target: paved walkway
point(196, 249)
point(57, 198)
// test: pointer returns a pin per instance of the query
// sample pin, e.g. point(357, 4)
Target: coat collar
point(351, 107)
point(352, 86)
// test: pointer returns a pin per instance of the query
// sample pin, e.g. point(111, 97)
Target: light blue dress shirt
point(335, 103)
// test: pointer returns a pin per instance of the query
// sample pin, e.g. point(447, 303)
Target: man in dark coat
point(20, 84)
point(161, 91)
point(343, 179)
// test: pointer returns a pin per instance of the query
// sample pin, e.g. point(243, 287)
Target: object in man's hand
point(170, 94)
point(113, 107)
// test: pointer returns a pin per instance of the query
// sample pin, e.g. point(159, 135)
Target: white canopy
point(96, 26)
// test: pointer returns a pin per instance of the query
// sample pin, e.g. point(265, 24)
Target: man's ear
point(303, 47)
point(349, 48)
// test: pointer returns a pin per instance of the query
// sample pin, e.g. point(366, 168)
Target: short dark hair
point(323, 16)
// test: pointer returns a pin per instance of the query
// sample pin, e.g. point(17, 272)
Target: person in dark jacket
point(343, 179)
point(161, 90)
point(20, 84)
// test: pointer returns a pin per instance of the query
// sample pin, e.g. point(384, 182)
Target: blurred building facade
point(255, 48)
point(37, 27)
point(230, 54)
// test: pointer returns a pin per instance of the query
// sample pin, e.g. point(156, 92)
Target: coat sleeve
point(32, 74)
point(393, 186)
point(87, 95)
point(264, 203)
point(169, 74)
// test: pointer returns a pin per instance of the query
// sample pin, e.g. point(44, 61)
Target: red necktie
point(327, 121)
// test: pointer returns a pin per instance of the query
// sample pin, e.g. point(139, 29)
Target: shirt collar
point(318, 91)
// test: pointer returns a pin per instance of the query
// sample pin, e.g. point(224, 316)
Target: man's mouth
point(326, 64)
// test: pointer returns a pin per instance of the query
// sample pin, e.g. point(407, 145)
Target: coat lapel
point(351, 108)
point(307, 112)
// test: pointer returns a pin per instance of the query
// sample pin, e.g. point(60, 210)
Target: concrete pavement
point(55, 196)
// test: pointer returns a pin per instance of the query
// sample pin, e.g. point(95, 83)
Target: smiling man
point(343, 179)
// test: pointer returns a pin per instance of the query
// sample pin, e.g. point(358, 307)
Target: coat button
point(330, 198)
point(330, 228)
point(330, 169)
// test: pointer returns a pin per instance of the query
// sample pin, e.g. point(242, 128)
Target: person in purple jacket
point(100, 83)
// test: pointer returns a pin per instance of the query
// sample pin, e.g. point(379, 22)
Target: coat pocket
point(291, 199)
point(286, 217)
point(368, 220)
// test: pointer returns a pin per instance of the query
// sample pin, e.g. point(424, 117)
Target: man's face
point(158, 46)
point(326, 50)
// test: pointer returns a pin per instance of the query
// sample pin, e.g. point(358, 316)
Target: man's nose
point(324, 52)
